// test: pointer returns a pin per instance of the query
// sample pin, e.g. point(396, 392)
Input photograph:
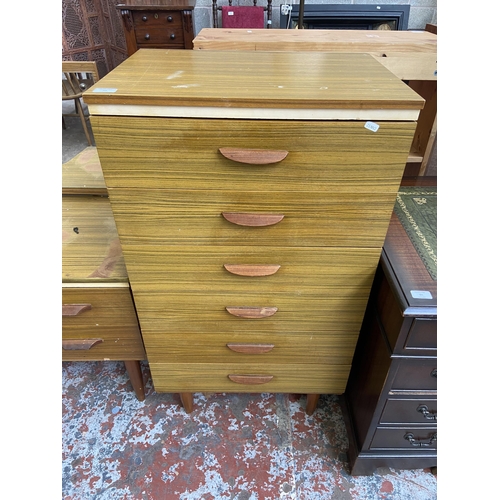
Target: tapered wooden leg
point(135, 373)
point(187, 401)
point(312, 401)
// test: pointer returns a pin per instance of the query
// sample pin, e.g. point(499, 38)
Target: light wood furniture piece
point(77, 76)
point(99, 322)
point(83, 174)
point(410, 55)
point(158, 24)
point(252, 203)
point(391, 395)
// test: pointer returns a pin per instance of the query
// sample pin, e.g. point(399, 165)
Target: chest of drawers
point(391, 395)
point(99, 321)
point(158, 24)
point(252, 200)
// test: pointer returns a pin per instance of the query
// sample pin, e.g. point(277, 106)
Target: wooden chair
point(77, 77)
point(244, 16)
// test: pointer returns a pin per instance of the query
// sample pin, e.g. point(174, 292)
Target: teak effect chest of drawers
point(252, 198)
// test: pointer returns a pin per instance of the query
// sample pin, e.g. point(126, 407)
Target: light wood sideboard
point(252, 200)
point(410, 55)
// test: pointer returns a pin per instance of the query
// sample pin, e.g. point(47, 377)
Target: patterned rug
point(416, 208)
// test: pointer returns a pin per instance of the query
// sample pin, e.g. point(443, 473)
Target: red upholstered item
point(243, 17)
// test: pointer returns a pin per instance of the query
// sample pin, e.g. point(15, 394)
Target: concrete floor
point(232, 446)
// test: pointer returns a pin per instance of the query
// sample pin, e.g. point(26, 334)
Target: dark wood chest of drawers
point(158, 24)
point(391, 395)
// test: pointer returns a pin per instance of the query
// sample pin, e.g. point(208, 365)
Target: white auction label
point(372, 126)
point(421, 294)
point(104, 90)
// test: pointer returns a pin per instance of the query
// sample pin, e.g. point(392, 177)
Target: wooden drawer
point(204, 311)
point(187, 217)
point(156, 19)
point(184, 153)
point(334, 269)
point(422, 438)
point(414, 374)
point(409, 411)
point(170, 35)
point(194, 377)
point(109, 315)
point(293, 348)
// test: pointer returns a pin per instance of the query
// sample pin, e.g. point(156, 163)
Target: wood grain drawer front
point(168, 35)
point(176, 152)
point(414, 374)
point(159, 19)
point(109, 316)
point(205, 311)
point(252, 268)
point(409, 411)
point(197, 217)
point(422, 335)
point(217, 348)
point(194, 377)
point(416, 438)
point(91, 249)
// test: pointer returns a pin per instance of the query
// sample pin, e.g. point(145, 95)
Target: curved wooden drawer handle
point(75, 309)
point(251, 348)
point(251, 379)
point(253, 220)
point(80, 344)
point(254, 156)
point(252, 269)
point(252, 312)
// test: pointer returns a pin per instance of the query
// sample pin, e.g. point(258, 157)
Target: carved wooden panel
point(92, 31)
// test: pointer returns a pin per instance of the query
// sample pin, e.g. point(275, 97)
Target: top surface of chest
point(267, 80)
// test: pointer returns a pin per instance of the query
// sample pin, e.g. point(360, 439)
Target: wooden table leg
point(312, 401)
point(187, 401)
point(135, 373)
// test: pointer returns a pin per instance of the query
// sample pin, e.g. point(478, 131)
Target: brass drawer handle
point(252, 269)
point(252, 220)
point(417, 442)
point(80, 344)
point(252, 312)
point(254, 156)
point(424, 410)
point(251, 348)
point(75, 309)
point(251, 379)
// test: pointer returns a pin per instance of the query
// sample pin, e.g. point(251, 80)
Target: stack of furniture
point(99, 322)
point(410, 55)
point(157, 24)
point(252, 198)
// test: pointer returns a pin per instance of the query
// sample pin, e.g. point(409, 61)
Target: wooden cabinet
point(158, 24)
point(391, 396)
point(99, 322)
point(252, 203)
